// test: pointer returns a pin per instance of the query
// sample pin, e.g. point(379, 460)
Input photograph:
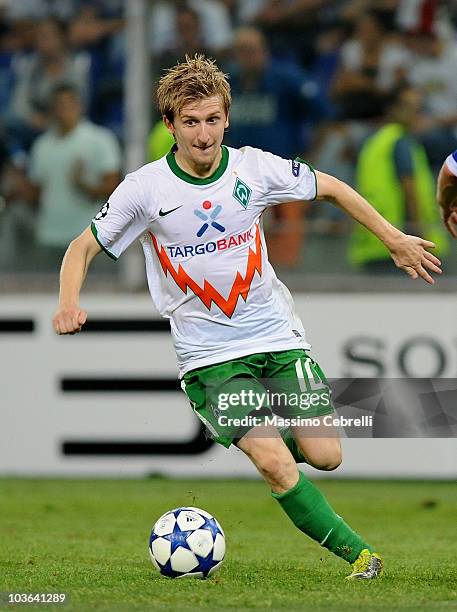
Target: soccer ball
point(187, 542)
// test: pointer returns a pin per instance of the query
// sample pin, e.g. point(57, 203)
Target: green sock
point(308, 509)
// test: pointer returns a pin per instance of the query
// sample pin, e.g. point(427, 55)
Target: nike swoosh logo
point(163, 213)
point(325, 539)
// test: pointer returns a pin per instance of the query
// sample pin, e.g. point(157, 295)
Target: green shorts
point(232, 397)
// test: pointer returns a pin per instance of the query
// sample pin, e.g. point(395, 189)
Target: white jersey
point(451, 163)
point(206, 258)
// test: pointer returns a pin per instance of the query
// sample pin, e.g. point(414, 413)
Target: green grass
point(88, 538)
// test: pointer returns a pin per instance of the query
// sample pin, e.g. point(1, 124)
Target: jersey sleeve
point(122, 219)
point(286, 180)
point(451, 163)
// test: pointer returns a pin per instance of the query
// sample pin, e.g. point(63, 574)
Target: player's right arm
point(121, 221)
point(446, 193)
point(70, 317)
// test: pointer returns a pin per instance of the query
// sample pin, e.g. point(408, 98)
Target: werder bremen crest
point(242, 193)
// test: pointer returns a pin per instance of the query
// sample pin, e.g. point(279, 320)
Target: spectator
point(189, 39)
point(74, 167)
point(99, 29)
point(271, 99)
point(9, 44)
point(322, 69)
point(95, 22)
point(433, 72)
point(215, 24)
point(351, 10)
point(37, 75)
point(291, 27)
point(244, 12)
point(269, 107)
point(17, 221)
point(22, 17)
point(417, 15)
point(394, 175)
point(36, 10)
point(371, 63)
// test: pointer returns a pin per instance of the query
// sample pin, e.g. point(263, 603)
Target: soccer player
point(446, 193)
point(197, 212)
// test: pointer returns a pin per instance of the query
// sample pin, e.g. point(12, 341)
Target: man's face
point(199, 130)
point(406, 108)
point(67, 109)
point(250, 51)
point(368, 30)
point(49, 39)
point(188, 28)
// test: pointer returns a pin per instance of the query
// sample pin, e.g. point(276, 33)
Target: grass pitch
point(88, 538)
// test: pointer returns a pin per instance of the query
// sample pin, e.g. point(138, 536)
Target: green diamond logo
point(242, 193)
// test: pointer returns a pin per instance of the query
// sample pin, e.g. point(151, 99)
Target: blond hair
point(193, 79)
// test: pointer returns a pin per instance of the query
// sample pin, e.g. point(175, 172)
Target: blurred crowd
point(362, 89)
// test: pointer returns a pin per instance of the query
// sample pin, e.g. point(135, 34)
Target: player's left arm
point(446, 195)
point(408, 252)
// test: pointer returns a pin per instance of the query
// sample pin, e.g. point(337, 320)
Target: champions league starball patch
point(102, 212)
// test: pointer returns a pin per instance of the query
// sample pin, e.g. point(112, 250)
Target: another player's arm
point(408, 252)
point(446, 195)
point(69, 317)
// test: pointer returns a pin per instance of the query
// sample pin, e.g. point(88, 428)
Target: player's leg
point(267, 451)
point(319, 444)
point(295, 375)
point(303, 503)
point(314, 446)
point(211, 391)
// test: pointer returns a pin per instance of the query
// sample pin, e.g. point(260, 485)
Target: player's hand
point(449, 217)
point(69, 320)
point(411, 255)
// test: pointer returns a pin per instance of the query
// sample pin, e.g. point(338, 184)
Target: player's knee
point(326, 456)
point(329, 461)
point(330, 465)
